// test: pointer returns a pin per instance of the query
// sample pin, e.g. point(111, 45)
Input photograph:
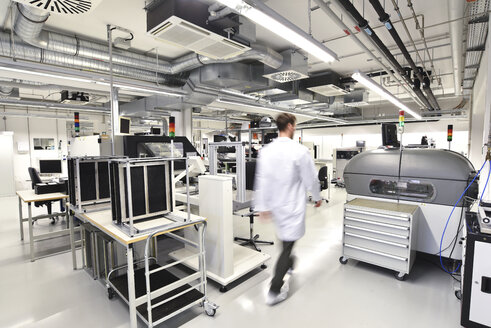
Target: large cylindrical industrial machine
point(434, 179)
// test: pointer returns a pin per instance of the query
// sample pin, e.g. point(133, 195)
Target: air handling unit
point(183, 23)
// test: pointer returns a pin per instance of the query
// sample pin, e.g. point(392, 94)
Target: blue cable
point(448, 220)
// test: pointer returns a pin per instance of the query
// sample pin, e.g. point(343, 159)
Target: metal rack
point(240, 202)
point(158, 299)
point(94, 179)
point(122, 193)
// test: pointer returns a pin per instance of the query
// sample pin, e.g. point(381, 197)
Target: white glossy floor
point(324, 293)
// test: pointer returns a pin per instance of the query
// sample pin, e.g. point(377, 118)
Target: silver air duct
point(30, 20)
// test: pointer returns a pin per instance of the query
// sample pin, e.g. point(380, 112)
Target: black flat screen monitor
point(155, 131)
point(49, 166)
point(124, 125)
point(389, 135)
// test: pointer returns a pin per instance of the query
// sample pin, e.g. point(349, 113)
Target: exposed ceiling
point(131, 14)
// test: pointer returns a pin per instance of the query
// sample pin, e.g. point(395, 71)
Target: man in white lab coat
point(285, 171)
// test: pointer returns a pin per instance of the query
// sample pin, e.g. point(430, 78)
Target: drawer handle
point(377, 232)
point(377, 223)
point(394, 217)
point(377, 253)
point(376, 240)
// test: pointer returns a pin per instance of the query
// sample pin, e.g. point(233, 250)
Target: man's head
point(286, 124)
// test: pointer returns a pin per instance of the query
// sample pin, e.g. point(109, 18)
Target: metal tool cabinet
point(380, 233)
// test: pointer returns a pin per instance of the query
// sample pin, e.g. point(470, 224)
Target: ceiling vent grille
point(184, 34)
point(286, 76)
point(62, 6)
point(294, 67)
point(328, 90)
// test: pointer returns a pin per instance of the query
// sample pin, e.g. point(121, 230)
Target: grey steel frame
point(128, 227)
point(200, 275)
point(48, 235)
point(240, 201)
point(78, 196)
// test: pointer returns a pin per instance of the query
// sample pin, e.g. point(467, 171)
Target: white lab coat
point(285, 171)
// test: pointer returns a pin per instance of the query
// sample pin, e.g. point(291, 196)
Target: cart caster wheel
point(223, 289)
point(401, 276)
point(263, 266)
point(343, 260)
point(211, 312)
point(458, 294)
point(110, 293)
point(327, 202)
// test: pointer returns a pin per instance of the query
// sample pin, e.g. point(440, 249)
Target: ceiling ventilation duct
point(356, 98)
point(237, 76)
point(295, 67)
point(327, 84)
point(63, 6)
point(9, 92)
point(184, 23)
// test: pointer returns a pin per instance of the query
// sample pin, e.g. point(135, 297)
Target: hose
point(448, 220)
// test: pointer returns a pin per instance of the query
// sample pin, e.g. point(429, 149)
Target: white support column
point(481, 116)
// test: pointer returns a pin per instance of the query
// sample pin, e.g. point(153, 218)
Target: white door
point(7, 187)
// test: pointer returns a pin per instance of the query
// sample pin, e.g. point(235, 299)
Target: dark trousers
point(284, 263)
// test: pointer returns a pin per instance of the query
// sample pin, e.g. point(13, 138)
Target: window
point(411, 189)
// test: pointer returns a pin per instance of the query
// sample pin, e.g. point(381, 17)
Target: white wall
point(25, 129)
point(330, 138)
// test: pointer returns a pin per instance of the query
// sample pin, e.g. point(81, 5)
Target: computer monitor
point(124, 125)
point(155, 131)
point(389, 135)
point(50, 166)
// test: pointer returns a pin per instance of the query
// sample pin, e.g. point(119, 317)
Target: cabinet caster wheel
point(264, 266)
point(223, 289)
point(327, 202)
point(343, 260)
point(458, 294)
point(110, 293)
point(401, 276)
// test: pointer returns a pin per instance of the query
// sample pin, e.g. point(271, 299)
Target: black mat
point(157, 280)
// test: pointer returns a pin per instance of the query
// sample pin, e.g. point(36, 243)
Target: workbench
point(29, 197)
point(164, 295)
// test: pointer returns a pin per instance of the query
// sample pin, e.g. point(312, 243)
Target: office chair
point(324, 181)
point(35, 179)
point(253, 240)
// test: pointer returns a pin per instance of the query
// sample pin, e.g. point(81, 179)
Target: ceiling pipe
point(456, 10)
point(51, 105)
point(425, 80)
point(30, 20)
point(362, 23)
point(332, 15)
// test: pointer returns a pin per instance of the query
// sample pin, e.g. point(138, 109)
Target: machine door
point(481, 285)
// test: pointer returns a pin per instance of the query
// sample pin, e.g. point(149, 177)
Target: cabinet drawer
point(378, 226)
point(376, 244)
point(396, 263)
point(400, 237)
point(395, 219)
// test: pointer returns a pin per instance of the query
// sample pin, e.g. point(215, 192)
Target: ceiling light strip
point(266, 17)
point(377, 88)
point(312, 117)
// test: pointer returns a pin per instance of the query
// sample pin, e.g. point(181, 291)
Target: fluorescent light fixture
point(167, 93)
point(377, 88)
point(329, 119)
point(56, 76)
point(77, 79)
point(269, 19)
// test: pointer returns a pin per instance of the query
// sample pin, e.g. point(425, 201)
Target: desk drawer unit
point(380, 233)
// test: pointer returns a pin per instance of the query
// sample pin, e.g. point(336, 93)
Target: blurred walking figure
point(285, 172)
